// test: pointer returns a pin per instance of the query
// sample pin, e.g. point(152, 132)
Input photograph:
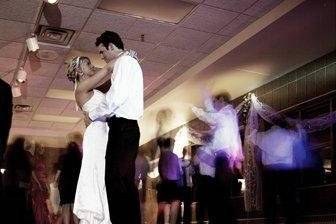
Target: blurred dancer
point(279, 169)
point(169, 190)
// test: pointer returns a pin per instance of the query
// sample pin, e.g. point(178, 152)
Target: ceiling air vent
point(22, 108)
point(52, 35)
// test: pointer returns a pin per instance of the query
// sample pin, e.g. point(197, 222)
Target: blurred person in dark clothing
point(39, 186)
point(279, 169)
point(141, 170)
point(66, 178)
point(187, 184)
point(224, 177)
point(17, 177)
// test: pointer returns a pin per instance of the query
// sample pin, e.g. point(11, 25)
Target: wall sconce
point(21, 76)
point(32, 43)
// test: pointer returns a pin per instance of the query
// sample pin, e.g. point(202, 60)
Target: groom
point(123, 108)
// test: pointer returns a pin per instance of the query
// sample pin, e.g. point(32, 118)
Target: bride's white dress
point(91, 204)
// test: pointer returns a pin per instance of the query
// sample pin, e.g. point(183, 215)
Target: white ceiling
point(170, 54)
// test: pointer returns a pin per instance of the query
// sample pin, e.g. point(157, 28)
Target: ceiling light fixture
point(32, 43)
point(53, 2)
point(21, 76)
point(16, 91)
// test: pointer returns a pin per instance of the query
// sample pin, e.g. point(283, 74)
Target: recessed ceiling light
point(46, 55)
point(53, 2)
point(61, 94)
point(172, 11)
point(53, 118)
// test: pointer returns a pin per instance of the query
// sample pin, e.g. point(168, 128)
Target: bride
point(91, 204)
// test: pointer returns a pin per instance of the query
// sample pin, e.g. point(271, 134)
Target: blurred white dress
point(91, 204)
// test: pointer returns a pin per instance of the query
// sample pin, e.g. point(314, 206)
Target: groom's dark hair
point(110, 37)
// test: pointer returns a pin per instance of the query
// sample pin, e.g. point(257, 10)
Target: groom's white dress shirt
point(125, 96)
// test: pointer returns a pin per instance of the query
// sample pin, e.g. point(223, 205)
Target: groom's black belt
point(115, 119)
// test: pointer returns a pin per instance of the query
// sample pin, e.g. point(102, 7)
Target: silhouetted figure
point(141, 170)
point(6, 101)
point(187, 184)
point(204, 161)
point(224, 177)
point(17, 177)
point(67, 177)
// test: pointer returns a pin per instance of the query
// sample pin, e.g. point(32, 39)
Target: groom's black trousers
point(122, 149)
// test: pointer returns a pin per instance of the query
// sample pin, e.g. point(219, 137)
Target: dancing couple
point(106, 192)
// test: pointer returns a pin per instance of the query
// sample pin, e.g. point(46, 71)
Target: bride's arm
point(93, 81)
point(90, 83)
point(103, 81)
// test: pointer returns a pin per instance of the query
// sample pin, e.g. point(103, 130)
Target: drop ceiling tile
point(10, 49)
point(175, 71)
point(142, 48)
point(80, 126)
point(54, 103)
point(61, 73)
point(53, 118)
point(38, 81)
point(64, 16)
point(102, 20)
point(19, 10)
point(86, 42)
point(22, 116)
point(7, 77)
point(19, 34)
point(154, 32)
point(208, 19)
point(232, 5)
point(81, 3)
point(60, 94)
point(41, 68)
point(261, 7)
point(167, 77)
point(148, 80)
point(167, 55)
point(20, 123)
point(63, 84)
point(237, 25)
point(63, 126)
point(40, 124)
point(49, 110)
point(36, 91)
point(186, 39)
point(7, 64)
point(72, 111)
point(150, 68)
point(192, 59)
point(213, 43)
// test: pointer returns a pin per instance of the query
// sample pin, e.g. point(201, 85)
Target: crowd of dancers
point(102, 178)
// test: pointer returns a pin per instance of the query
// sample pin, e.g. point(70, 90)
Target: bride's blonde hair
point(74, 66)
